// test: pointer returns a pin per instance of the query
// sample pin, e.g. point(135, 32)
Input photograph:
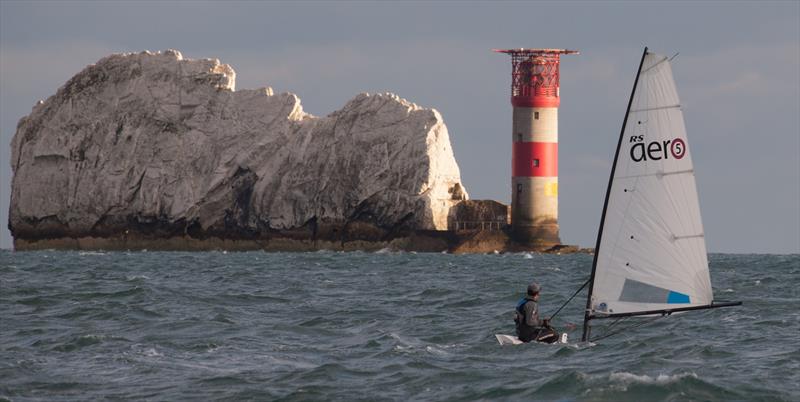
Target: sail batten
point(651, 252)
point(678, 106)
point(658, 174)
point(654, 64)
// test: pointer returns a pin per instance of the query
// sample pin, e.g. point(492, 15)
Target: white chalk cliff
point(166, 145)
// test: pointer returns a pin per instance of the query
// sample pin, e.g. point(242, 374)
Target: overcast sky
point(738, 75)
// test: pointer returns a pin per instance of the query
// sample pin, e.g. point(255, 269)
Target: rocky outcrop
point(479, 214)
point(151, 145)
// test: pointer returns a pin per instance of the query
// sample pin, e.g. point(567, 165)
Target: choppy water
point(371, 326)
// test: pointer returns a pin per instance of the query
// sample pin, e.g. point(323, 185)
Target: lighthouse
point(534, 150)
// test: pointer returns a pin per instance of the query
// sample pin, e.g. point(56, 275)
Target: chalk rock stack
point(157, 144)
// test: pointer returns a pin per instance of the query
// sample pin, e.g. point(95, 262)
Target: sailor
point(529, 326)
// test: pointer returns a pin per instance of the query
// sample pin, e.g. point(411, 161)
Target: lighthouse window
point(535, 163)
point(536, 115)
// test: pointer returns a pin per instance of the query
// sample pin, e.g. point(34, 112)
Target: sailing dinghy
point(650, 257)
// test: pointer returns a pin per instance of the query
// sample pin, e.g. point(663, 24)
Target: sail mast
point(586, 316)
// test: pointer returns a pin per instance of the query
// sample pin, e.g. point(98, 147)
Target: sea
point(352, 326)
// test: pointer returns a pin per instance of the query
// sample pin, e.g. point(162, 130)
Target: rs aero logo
point(656, 150)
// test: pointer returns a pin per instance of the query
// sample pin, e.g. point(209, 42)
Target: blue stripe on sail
point(676, 298)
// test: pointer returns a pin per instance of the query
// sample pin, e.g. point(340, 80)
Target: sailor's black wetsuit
point(529, 326)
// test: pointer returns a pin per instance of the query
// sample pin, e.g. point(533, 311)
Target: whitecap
point(403, 345)
point(453, 345)
point(733, 317)
point(436, 351)
point(136, 277)
point(91, 253)
point(92, 337)
point(580, 345)
point(527, 256)
point(401, 348)
point(399, 339)
point(661, 379)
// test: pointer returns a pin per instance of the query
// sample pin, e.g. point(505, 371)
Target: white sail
point(652, 253)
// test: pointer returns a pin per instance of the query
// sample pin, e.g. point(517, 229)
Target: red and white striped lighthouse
point(534, 160)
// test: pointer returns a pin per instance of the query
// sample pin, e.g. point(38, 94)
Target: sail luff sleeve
point(587, 316)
